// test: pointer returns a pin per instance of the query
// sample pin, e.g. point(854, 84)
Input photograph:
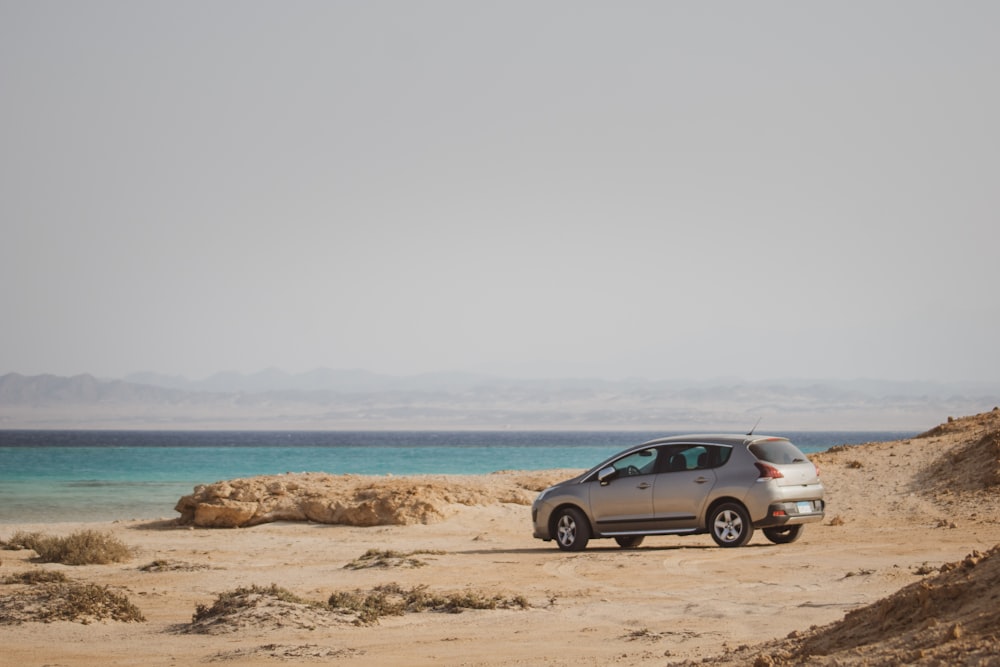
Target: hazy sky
point(661, 189)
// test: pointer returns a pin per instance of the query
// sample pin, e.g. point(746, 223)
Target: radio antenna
point(750, 432)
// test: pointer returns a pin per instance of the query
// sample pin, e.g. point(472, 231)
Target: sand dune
point(904, 570)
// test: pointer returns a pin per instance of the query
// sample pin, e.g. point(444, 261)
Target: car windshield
point(778, 451)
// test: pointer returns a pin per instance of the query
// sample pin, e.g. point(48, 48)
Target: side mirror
point(607, 474)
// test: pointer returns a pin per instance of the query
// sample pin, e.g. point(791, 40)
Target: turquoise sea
point(53, 476)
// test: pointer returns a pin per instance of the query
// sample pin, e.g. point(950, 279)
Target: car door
point(625, 502)
point(683, 484)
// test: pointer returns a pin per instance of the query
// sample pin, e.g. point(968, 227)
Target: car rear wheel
point(629, 541)
point(572, 530)
point(783, 534)
point(730, 525)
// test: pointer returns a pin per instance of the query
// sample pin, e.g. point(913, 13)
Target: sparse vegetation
point(369, 607)
point(85, 547)
point(157, 565)
point(387, 558)
point(642, 634)
point(32, 577)
point(21, 540)
point(366, 607)
point(394, 600)
point(161, 565)
point(67, 601)
point(284, 652)
point(859, 573)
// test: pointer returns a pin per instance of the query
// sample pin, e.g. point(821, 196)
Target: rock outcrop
point(355, 500)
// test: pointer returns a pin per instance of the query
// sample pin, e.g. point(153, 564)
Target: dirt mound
point(260, 608)
point(962, 426)
point(963, 477)
point(951, 618)
point(970, 467)
point(922, 619)
point(354, 499)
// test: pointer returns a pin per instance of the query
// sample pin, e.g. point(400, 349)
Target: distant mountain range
point(358, 399)
point(322, 379)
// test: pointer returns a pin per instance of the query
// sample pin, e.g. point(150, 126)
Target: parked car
point(725, 485)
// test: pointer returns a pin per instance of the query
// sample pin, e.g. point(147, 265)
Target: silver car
point(725, 485)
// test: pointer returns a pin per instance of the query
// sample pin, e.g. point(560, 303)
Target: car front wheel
point(783, 534)
point(730, 525)
point(572, 530)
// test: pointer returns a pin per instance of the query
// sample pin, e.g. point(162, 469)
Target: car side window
point(637, 463)
point(693, 457)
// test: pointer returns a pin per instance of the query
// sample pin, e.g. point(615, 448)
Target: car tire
point(783, 534)
point(571, 529)
point(629, 541)
point(730, 525)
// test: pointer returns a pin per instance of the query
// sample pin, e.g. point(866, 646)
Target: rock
point(224, 513)
point(353, 499)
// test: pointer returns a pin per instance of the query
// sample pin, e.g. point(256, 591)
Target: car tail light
point(817, 469)
point(768, 472)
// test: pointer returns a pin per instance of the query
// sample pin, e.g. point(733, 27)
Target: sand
point(900, 571)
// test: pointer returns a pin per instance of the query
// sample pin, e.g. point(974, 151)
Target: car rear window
point(777, 451)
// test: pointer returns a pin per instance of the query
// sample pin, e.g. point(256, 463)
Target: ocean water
point(55, 476)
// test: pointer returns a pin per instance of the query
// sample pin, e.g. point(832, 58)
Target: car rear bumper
point(791, 513)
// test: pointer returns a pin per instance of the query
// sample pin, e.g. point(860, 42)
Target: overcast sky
point(658, 189)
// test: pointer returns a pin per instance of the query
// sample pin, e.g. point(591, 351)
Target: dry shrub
point(387, 558)
point(32, 577)
point(67, 601)
point(85, 547)
point(258, 606)
point(22, 540)
point(393, 600)
point(162, 565)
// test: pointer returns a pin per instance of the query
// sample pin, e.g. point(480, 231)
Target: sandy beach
point(902, 517)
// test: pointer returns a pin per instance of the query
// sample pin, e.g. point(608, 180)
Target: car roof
point(726, 439)
point(710, 439)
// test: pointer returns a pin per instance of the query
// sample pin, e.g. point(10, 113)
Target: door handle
point(644, 485)
point(701, 480)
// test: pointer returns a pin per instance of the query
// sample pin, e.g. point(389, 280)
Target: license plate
point(804, 507)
